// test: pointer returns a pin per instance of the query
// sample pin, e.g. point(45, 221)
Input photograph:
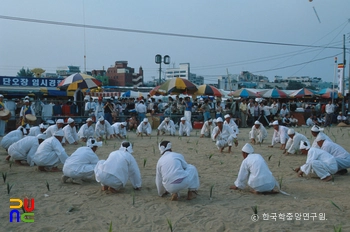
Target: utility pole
point(343, 91)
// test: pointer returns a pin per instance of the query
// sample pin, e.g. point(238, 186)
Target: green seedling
point(110, 227)
point(133, 197)
point(337, 228)
point(144, 162)
point(4, 176)
point(211, 155)
point(47, 186)
point(335, 205)
point(255, 209)
point(269, 157)
point(170, 225)
point(9, 187)
point(211, 192)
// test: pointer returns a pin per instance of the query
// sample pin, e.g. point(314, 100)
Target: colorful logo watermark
point(27, 208)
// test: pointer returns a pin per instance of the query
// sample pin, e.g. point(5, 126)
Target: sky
point(216, 37)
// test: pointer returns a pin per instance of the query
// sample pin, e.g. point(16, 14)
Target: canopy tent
point(103, 94)
point(134, 94)
point(302, 93)
point(274, 93)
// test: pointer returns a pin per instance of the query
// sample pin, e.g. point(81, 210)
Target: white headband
point(162, 148)
point(128, 149)
point(304, 145)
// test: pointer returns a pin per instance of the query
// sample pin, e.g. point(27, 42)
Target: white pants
point(323, 170)
point(343, 163)
point(169, 130)
point(266, 187)
point(86, 172)
point(190, 182)
point(220, 143)
point(256, 136)
point(188, 115)
point(109, 180)
point(185, 132)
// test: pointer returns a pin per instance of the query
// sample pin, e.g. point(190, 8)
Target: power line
point(156, 32)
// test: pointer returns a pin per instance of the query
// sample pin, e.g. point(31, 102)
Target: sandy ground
point(228, 210)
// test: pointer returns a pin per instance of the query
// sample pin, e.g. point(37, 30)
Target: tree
point(294, 85)
point(25, 73)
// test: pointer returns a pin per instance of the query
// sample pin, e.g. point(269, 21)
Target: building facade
point(122, 75)
point(183, 71)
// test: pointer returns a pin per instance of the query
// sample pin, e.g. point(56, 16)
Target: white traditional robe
point(280, 136)
point(293, 144)
point(142, 128)
point(103, 130)
point(50, 153)
point(256, 173)
point(207, 130)
point(34, 131)
point(50, 131)
point(118, 130)
point(167, 127)
point(341, 155)
point(225, 137)
point(185, 128)
point(99, 110)
point(81, 164)
point(86, 131)
point(173, 174)
point(117, 169)
point(24, 149)
point(315, 145)
point(233, 125)
point(259, 134)
point(11, 138)
point(70, 134)
point(321, 162)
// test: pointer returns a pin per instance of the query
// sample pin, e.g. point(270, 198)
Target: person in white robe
point(167, 125)
point(2, 122)
point(50, 153)
point(119, 167)
point(103, 129)
point(293, 142)
point(230, 122)
point(185, 127)
point(255, 172)
point(119, 129)
point(224, 136)
point(25, 149)
point(280, 135)
point(174, 174)
point(50, 131)
point(323, 164)
point(87, 130)
point(37, 130)
point(144, 128)
point(341, 155)
point(258, 133)
point(70, 132)
point(13, 137)
point(207, 128)
point(316, 132)
point(81, 164)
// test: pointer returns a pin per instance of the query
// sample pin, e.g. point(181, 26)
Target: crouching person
point(81, 164)
point(255, 172)
point(174, 174)
point(120, 166)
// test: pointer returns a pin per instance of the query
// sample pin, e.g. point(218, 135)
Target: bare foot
point(174, 197)
point(104, 188)
point(328, 178)
point(55, 169)
point(270, 146)
point(42, 169)
point(165, 194)
point(8, 158)
point(113, 190)
point(191, 195)
point(253, 141)
point(19, 162)
point(221, 149)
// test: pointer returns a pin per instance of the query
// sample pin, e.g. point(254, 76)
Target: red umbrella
point(155, 91)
